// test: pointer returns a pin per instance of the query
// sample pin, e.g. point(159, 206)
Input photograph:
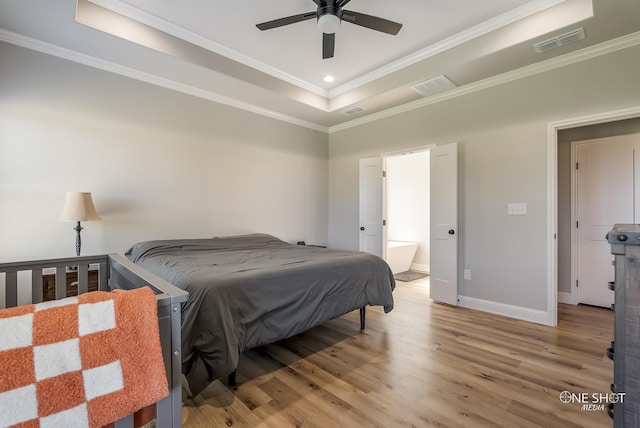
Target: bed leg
point(362, 314)
point(231, 380)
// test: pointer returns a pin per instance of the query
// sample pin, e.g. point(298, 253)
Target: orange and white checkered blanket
point(83, 361)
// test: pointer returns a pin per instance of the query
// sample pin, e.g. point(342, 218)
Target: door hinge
point(384, 222)
point(577, 166)
point(576, 283)
point(384, 174)
point(577, 224)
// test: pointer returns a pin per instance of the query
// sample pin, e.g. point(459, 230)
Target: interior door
point(606, 193)
point(371, 206)
point(444, 224)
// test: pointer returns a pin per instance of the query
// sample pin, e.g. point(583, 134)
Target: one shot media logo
point(592, 401)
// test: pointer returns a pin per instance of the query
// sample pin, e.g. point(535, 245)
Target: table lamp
point(79, 207)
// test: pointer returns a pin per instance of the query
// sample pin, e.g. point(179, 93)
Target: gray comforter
point(251, 290)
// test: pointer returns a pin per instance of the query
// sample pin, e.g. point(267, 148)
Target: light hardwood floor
point(423, 364)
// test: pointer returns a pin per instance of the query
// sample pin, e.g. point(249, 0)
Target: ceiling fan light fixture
point(329, 14)
point(328, 23)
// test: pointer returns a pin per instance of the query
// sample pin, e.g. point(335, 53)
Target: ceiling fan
point(329, 15)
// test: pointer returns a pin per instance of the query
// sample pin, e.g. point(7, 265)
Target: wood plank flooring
point(423, 364)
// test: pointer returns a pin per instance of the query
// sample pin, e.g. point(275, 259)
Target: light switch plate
point(519, 208)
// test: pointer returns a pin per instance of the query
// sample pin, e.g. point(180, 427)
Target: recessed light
point(329, 78)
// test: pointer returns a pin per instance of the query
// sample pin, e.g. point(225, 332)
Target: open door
point(371, 206)
point(444, 224)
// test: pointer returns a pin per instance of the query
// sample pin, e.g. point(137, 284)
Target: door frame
point(573, 296)
point(552, 192)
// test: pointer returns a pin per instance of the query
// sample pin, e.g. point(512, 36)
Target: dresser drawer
point(49, 284)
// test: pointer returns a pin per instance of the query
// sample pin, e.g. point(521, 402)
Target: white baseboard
point(564, 297)
point(511, 311)
point(420, 267)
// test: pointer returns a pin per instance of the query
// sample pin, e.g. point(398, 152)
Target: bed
point(23, 285)
point(251, 290)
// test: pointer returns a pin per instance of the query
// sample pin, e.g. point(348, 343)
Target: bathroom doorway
point(407, 206)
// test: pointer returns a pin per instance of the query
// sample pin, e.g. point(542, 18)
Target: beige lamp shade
point(79, 207)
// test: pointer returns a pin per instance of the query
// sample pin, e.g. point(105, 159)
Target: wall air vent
point(434, 86)
point(561, 40)
point(354, 110)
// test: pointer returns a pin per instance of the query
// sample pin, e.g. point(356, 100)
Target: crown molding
point(530, 70)
point(483, 28)
point(449, 43)
point(153, 21)
point(68, 54)
point(541, 67)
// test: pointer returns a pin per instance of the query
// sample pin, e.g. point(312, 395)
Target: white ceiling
point(295, 50)
point(214, 50)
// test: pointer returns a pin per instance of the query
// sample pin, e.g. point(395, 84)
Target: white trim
point(568, 298)
point(530, 70)
point(153, 21)
point(476, 31)
point(495, 23)
point(552, 227)
point(581, 55)
point(511, 311)
point(573, 273)
point(68, 54)
point(552, 194)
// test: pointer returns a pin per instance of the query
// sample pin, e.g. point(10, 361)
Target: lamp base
point(78, 228)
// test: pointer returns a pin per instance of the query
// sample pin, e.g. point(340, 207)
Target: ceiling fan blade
point(341, 3)
point(328, 45)
point(372, 22)
point(286, 21)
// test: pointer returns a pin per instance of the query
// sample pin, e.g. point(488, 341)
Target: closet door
point(606, 194)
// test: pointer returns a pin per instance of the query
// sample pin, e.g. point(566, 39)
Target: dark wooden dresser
point(625, 348)
point(49, 283)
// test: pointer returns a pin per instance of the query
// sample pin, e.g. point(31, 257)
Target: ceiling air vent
point(354, 110)
point(561, 40)
point(434, 86)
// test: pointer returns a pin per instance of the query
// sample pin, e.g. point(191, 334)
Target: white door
point(444, 224)
point(371, 206)
point(606, 193)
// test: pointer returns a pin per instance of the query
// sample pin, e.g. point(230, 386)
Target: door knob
point(361, 227)
point(451, 232)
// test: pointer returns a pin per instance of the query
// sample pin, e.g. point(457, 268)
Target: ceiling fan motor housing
point(329, 17)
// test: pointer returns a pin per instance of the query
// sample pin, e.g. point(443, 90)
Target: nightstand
point(49, 284)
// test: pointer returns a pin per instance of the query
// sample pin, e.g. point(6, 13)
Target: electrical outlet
point(467, 274)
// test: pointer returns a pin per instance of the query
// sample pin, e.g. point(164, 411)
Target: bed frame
point(232, 377)
point(114, 272)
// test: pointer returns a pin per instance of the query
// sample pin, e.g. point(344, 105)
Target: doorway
point(407, 205)
point(561, 134)
point(443, 216)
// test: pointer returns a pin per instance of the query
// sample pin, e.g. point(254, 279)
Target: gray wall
point(502, 136)
point(163, 164)
point(160, 164)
